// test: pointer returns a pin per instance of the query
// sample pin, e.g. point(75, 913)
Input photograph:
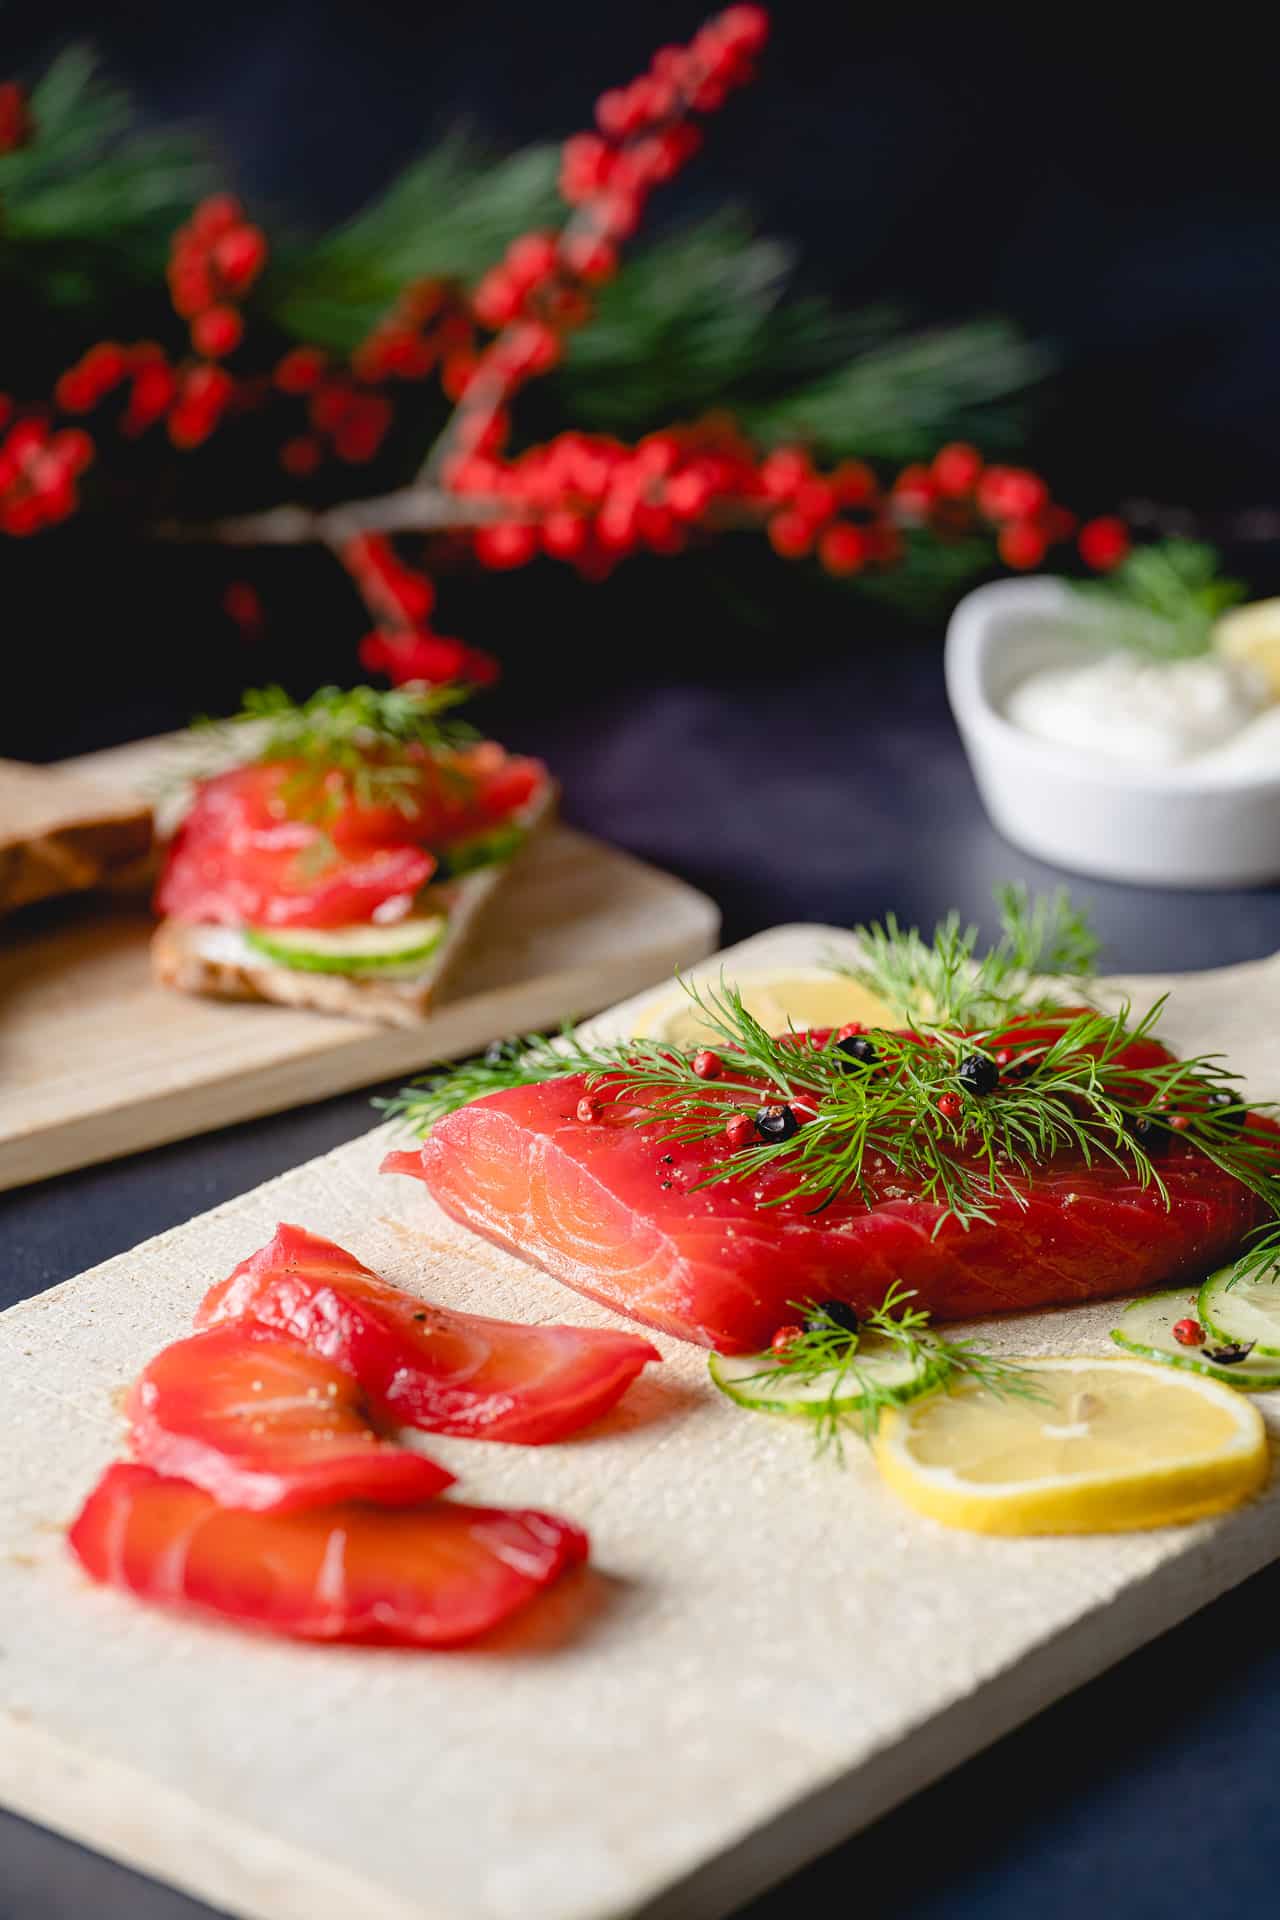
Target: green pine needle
point(92, 202)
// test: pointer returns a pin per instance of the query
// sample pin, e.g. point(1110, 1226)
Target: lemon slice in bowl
point(1094, 1446)
point(777, 997)
point(1250, 635)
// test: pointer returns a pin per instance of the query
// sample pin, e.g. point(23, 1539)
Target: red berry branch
point(585, 499)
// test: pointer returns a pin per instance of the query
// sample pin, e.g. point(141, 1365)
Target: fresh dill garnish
point(507, 1063)
point(824, 1347)
point(366, 744)
point(1161, 601)
point(945, 981)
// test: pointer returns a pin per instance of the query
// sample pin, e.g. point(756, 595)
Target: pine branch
point(91, 203)
point(897, 400)
point(448, 216)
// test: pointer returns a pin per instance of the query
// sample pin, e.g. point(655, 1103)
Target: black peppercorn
point(1150, 1134)
point(978, 1073)
point(776, 1123)
point(1226, 1105)
point(858, 1047)
point(833, 1312)
point(1229, 1356)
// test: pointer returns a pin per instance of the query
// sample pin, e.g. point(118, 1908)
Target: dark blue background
point(1117, 194)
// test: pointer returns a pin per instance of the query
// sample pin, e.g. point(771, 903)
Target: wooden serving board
point(766, 1653)
point(97, 1061)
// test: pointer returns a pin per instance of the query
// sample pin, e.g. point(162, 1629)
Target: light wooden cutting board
point(98, 1061)
point(767, 1652)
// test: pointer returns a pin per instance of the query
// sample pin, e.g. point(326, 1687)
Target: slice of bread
point(198, 958)
point(61, 833)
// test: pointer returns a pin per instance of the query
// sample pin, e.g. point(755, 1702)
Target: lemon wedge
point(781, 996)
point(1250, 635)
point(1105, 1446)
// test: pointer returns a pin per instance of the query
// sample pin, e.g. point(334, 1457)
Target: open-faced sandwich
point(341, 859)
point(61, 833)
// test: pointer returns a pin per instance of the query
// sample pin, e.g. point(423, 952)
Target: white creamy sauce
point(1153, 713)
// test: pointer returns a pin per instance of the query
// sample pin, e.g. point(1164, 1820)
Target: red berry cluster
point(39, 468)
point(840, 515)
point(403, 645)
point(587, 499)
point(427, 325)
point(540, 289)
point(590, 499)
point(213, 262)
point(958, 492)
point(191, 399)
point(430, 328)
point(16, 125)
point(342, 418)
point(1104, 542)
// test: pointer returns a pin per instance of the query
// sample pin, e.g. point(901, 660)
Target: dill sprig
point(522, 1062)
point(1161, 601)
point(945, 981)
point(362, 743)
point(825, 1348)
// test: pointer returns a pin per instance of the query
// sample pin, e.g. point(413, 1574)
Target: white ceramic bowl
point(1156, 826)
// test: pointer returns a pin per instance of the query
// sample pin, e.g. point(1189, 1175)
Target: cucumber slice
point(483, 850)
point(367, 948)
point(1250, 1311)
point(759, 1380)
point(1146, 1328)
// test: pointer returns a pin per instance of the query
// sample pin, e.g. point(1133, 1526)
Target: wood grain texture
point(97, 1060)
point(766, 1653)
point(64, 832)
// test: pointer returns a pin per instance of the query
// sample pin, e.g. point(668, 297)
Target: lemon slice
point(1108, 1446)
point(778, 997)
point(1250, 635)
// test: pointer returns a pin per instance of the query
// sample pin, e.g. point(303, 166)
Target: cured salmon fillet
point(263, 1424)
point(420, 1365)
point(616, 1212)
point(431, 1576)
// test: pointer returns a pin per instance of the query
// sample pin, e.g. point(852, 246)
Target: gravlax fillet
point(261, 1423)
point(420, 1365)
point(615, 1211)
point(430, 1576)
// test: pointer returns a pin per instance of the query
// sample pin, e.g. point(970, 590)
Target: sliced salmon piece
point(425, 1366)
point(430, 1576)
point(615, 1210)
point(261, 1423)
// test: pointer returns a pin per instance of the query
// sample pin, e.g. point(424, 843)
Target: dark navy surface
point(835, 796)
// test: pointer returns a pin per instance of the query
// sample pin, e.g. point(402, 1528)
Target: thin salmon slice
point(425, 1366)
point(616, 1211)
point(263, 1424)
point(431, 1576)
